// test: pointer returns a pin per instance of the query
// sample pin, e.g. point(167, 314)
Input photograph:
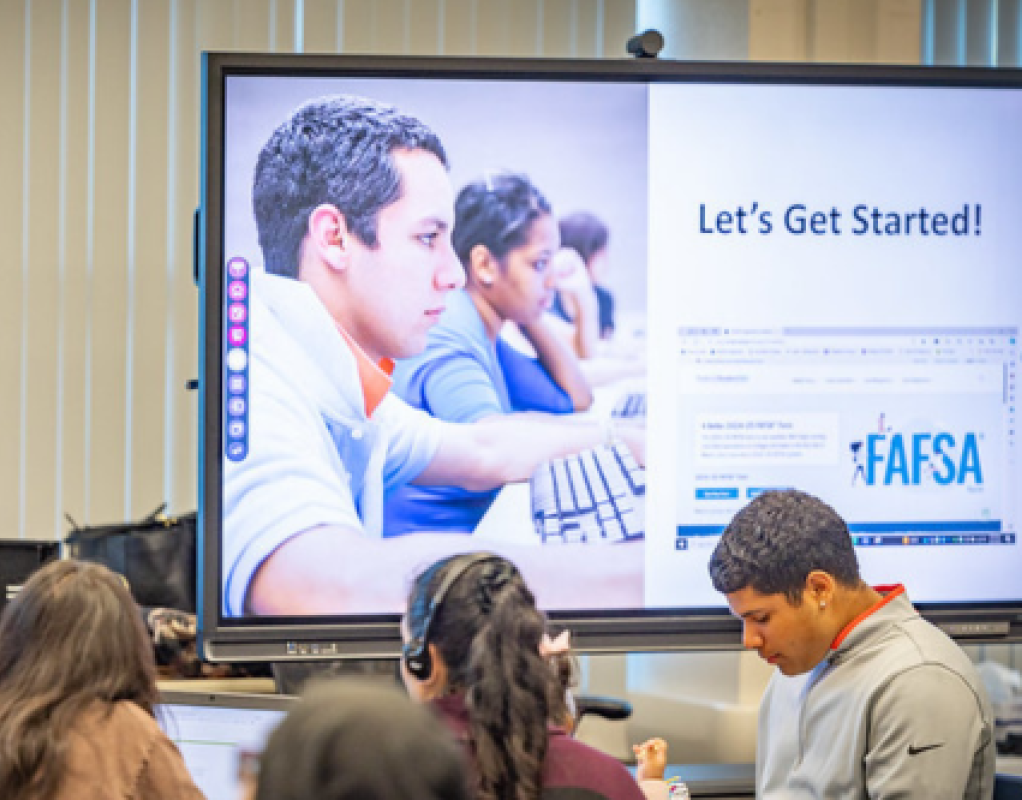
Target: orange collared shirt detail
point(889, 592)
point(374, 377)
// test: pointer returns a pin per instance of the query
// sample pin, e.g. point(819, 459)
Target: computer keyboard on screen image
point(594, 497)
point(630, 404)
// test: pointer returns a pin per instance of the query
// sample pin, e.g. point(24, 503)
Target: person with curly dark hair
point(77, 694)
point(869, 699)
point(472, 637)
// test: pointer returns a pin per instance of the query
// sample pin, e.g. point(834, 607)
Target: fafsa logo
point(891, 458)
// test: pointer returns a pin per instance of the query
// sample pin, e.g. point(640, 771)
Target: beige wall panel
point(524, 36)
point(12, 88)
point(181, 445)
point(558, 28)
point(899, 31)
point(148, 299)
point(459, 27)
point(424, 27)
point(979, 46)
point(108, 407)
point(390, 27)
point(43, 290)
point(321, 26)
point(215, 24)
point(833, 29)
point(862, 32)
point(359, 26)
point(254, 27)
point(1009, 33)
point(587, 25)
point(493, 19)
point(75, 315)
point(777, 30)
point(618, 26)
point(281, 18)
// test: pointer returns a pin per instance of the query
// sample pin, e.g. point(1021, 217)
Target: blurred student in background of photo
point(78, 691)
point(589, 237)
point(584, 308)
point(348, 739)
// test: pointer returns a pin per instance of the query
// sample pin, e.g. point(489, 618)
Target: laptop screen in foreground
point(212, 730)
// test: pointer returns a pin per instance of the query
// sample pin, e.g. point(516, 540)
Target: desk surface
point(716, 780)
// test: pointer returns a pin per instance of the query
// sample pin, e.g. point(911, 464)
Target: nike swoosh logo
point(914, 751)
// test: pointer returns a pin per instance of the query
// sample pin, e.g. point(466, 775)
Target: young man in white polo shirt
point(869, 700)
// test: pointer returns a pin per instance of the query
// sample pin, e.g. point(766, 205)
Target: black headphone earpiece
point(416, 650)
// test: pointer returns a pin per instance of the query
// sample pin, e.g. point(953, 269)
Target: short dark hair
point(774, 543)
point(584, 233)
point(497, 212)
point(336, 150)
point(351, 740)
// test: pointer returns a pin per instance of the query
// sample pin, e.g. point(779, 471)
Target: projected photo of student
point(355, 210)
point(507, 240)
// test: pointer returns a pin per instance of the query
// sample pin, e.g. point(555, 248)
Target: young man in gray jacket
point(869, 699)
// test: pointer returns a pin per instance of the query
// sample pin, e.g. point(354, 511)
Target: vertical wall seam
point(540, 40)
point(441, 17)
point(406, 33)
point(473, 21)
point(929, 32)
point(90, 257)
point(129, 333)
point(58, 488)
point(26, 211)
point(271, 33)
point(168, 371)
point(339, 45)
point(992, 34)
point(962, 43)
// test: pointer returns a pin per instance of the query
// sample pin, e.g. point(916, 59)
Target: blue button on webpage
point(719, 493)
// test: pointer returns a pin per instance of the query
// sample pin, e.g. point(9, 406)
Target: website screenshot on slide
point(909, 433)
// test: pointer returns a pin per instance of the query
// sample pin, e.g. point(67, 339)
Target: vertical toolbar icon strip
point(237, 333)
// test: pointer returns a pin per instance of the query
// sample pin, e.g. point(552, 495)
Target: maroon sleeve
point(570, 764)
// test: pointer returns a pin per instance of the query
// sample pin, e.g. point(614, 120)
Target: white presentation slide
point(837, 308)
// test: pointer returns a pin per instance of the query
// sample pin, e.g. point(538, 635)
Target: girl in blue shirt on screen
point(508, 241)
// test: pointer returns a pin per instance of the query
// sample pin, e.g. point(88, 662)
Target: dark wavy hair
point(497, 212)
point(584, 233)
point(320, 750)
point(336, 150)
point(488, 631)
point(73, 636)
point(777, 540)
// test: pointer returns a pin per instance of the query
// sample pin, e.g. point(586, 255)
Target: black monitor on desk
point(824, 261)
point(19, 558)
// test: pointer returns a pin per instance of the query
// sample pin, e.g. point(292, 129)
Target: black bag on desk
point(156, 555)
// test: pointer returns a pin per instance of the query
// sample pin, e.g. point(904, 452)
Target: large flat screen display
point(686, 284)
